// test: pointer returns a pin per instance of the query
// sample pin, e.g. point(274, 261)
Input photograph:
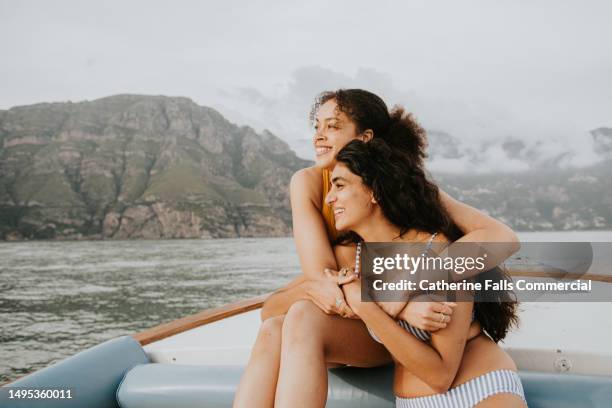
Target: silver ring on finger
point(339, 302)
point(442, 317)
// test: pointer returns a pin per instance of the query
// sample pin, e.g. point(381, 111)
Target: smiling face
point(333, 130)
point(351, 201)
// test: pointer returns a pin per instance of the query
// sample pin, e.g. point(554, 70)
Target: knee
point(269, 336)
point(302, 323)
point(272, 327)
point(302, 313)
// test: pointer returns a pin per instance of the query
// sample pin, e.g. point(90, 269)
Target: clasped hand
point(339, 292)
point(327, 294)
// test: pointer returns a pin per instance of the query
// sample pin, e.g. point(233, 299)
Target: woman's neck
point(378, 228)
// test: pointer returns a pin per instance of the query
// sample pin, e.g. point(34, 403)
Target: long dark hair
point(408, 199)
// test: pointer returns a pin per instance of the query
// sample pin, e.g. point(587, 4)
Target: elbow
point(513, 241)
point(437, 377)
point(441, 384)
point(515, 246)
point(506, 235)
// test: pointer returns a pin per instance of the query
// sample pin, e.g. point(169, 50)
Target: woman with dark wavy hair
point(340, 117)
point(431, 369)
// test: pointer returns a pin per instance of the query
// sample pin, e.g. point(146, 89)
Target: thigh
point(346, 341)
point(502, 400)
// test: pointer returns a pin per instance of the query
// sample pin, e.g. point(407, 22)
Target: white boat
point(196, 361)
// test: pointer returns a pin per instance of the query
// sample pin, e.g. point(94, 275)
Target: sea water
point(58, 298)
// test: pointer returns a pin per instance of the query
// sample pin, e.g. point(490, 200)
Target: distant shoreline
point(585, 231)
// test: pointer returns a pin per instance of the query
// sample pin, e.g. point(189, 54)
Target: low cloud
point(479, 132)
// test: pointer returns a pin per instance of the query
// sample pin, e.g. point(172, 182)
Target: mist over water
point(58, 298)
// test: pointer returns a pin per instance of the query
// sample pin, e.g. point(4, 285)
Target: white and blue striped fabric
point(422, 335)
point(470, 393)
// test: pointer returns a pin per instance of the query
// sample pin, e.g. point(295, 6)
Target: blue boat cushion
point(172, 385)
point(187, 386)
point(545, 390)
point(92, 376)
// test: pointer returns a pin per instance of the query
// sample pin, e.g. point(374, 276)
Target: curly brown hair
point(368, 111)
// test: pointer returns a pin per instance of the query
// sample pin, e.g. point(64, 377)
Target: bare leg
point(503, 400)
point(258, 383)
point(310, 339)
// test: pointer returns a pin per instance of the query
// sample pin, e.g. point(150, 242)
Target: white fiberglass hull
point(552, 337)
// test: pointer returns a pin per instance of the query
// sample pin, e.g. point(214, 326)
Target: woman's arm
point(322, 292)
point(436, 364)
point(278, 303)
point(309, 231)
point(479, 227)
point(314, 251)
point(423, 314)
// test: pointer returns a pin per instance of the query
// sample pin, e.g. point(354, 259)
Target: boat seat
point(544, 390)
point(92, 376)
point(172, 385)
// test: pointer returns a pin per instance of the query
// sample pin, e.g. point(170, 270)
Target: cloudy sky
point(482, 71)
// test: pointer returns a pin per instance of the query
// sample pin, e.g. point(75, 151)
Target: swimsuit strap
point(358, 251)
point(430, 242)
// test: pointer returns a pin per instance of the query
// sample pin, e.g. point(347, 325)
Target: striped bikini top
point(420, 334)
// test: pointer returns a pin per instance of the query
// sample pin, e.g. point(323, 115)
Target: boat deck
point(552, 337)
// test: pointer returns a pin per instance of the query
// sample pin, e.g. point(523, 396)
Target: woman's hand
point(352, 293)
point(328, 296)
point(427, 315)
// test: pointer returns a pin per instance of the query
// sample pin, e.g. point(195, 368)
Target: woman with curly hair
point(340, 117)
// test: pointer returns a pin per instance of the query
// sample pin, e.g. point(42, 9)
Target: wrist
point(404, 315)
point(358, 306)
point(307, 290)
point(362, 309)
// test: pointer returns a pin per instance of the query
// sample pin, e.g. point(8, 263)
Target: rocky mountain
point(547, 195)
point(131, 166)
point(547, 199)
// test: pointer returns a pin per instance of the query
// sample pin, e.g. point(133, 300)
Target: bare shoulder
point(307, 183)
point(307, 175)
